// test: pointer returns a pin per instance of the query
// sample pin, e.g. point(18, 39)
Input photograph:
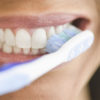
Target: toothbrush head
point(56, 41)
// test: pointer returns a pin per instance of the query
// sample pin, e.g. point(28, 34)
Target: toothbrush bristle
point(53, 44)
point(56, 41)
point(72, 32)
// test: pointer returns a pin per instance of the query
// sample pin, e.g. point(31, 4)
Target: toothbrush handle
point(21, 75)
point(41, 66)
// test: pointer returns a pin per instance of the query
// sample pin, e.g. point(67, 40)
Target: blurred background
point(95, 86)
point(95, 81)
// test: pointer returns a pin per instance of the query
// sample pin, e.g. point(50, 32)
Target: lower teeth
point(24, 51)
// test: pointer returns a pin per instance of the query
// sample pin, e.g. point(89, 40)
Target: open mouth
point(25, 41)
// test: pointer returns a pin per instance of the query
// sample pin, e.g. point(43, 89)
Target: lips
point(35, 22)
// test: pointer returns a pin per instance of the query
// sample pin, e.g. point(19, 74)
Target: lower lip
point(11, 58)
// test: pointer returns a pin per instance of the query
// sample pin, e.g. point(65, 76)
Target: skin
point(68, 81)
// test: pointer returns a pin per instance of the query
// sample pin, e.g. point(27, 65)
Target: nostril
point(81, 23)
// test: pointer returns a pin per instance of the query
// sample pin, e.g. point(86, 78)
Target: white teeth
point(17, 50)
point(23, 39)
point(7, 49)
point(26, 43)
point(59, 29)
point(42, 51)
point(35, 51)
point(51, 32)
point(1, 35)
point(9, 37)
point(26, 51)
point(66, 25)
point(0, 45)
point(39, 39)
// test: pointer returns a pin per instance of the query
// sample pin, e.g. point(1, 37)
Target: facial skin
point(65, 82)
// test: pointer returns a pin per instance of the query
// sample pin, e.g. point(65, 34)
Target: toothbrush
point(62, 37)
point(18, 75)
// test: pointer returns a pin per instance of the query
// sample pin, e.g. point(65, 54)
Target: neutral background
point(95, 86)
point(95, 81)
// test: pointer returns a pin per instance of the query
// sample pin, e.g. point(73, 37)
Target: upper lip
point(34, 21)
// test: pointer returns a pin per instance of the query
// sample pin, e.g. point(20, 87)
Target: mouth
point(24, 38)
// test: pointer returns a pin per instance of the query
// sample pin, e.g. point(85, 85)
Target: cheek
point(37, 6)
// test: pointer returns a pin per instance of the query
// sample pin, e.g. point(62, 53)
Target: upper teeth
point(51, 32)
point(9, 37)
point(22, 40)
point(39, 39)
point(59, 29)
point(1, 35)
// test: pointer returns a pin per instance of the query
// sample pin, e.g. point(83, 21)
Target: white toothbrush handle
point(42, 65)
point(22, 75)
point(77, 45)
